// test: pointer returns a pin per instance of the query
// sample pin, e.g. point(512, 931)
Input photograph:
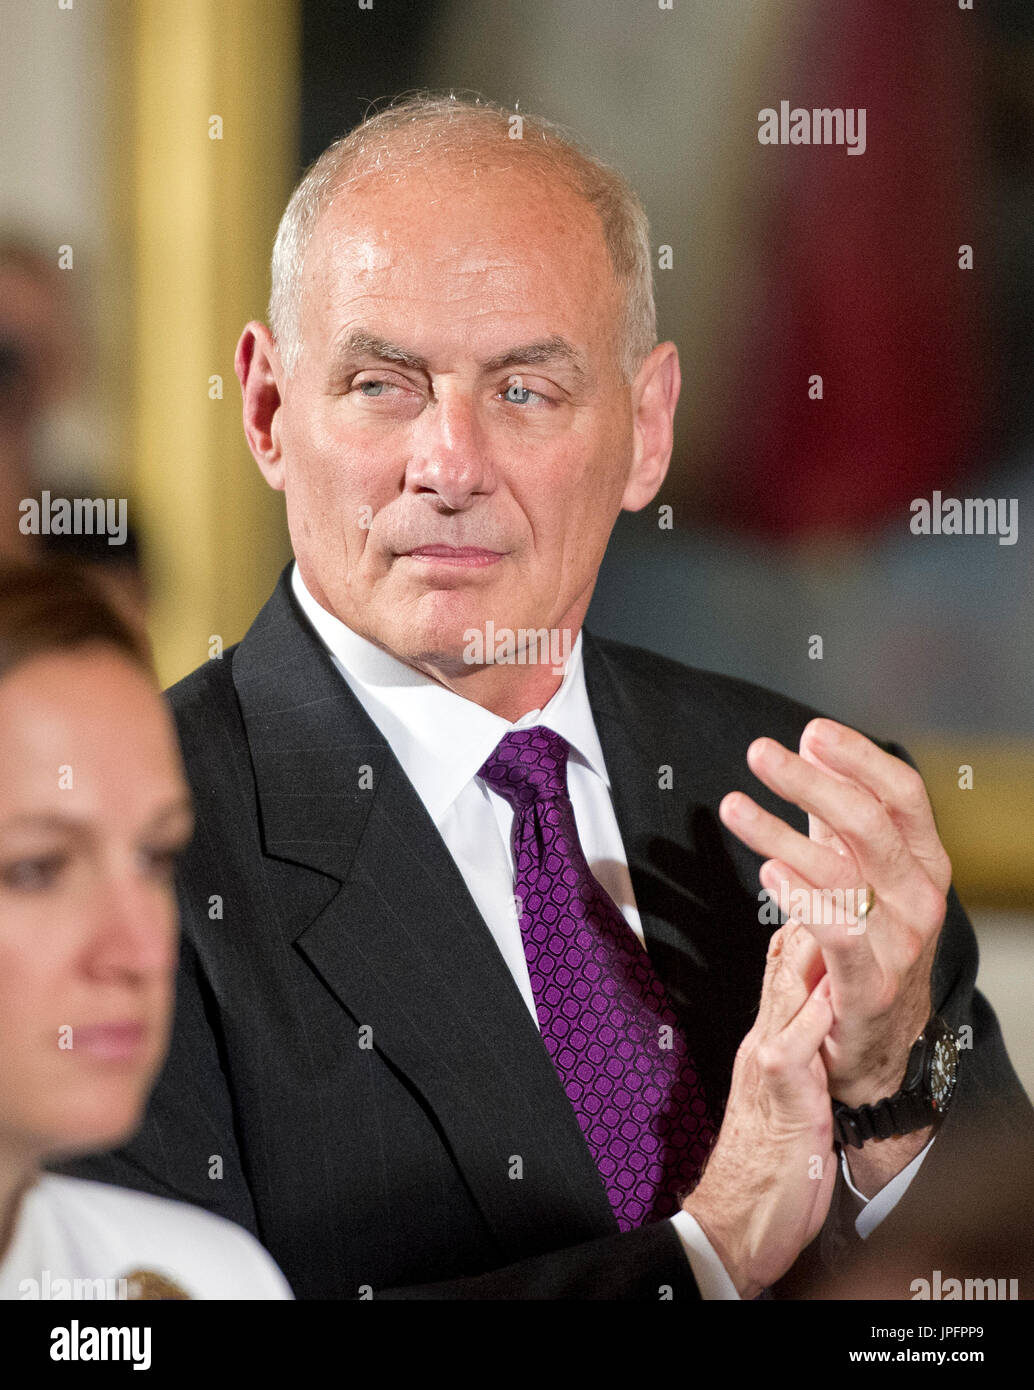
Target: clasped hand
point(843, 997)
point(870, 824)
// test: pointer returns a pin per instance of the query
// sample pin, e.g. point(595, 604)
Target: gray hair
point(424, 123)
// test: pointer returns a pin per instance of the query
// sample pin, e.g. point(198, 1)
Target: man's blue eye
point(518, 394)
point(377, 385)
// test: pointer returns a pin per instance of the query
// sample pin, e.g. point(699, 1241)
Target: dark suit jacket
point(318, 917)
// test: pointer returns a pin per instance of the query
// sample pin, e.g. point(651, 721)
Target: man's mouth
point(471, 556)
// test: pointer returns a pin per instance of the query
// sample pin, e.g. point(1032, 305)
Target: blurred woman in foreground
point(94, 811)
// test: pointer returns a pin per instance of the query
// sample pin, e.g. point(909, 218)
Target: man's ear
point(257, 364)
point(655, 394)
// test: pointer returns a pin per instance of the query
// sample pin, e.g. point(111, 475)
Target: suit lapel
point(678, 862)
point(385, 919)
point(669, 899)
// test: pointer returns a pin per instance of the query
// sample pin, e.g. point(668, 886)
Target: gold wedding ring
point(868, 905)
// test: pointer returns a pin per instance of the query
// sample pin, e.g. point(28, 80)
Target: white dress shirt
point(441, 740)
point(74, 1239)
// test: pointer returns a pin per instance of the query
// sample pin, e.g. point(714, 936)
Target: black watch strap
point(898, 1114)
point(921, 1100)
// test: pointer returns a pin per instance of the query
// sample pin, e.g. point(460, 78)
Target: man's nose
point(451, 451)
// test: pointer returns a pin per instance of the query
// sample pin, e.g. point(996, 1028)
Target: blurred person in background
point(44, 356)
point(94, 812)
point(33, 371)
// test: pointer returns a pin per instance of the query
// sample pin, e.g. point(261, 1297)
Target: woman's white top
point(84, 1240)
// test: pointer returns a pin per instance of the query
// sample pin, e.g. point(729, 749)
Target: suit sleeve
point(648, 1265)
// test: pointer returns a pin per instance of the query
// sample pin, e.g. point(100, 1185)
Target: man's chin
point(450, 637)
point(444, 654)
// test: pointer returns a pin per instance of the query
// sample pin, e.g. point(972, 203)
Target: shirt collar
point(440, 738)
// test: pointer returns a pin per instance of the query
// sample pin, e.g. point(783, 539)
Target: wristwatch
point(923, 1098)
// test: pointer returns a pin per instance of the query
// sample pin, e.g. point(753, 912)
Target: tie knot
point(528, 765)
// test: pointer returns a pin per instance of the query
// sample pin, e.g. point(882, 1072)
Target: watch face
point(944, 1069)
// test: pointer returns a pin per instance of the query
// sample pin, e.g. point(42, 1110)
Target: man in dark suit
point(407, 1083)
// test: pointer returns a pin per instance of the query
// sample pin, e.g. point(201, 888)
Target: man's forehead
point(456, 222)
point(445, 260)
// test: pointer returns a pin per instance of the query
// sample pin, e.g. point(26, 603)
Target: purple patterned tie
point(605, 1019)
